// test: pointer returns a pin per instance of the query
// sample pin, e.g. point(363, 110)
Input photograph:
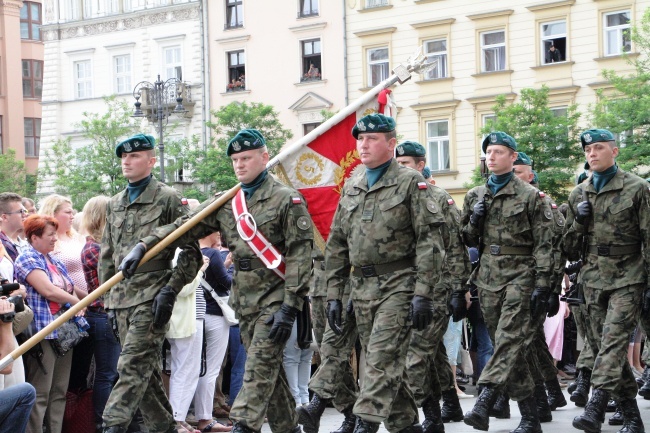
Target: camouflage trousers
point(645, 324)
point(427, 364)
point(319, 317)
point(587, 357)
point(613, 315)
point(507, 316)
point(139, 384)
point(385, 331)
point(540, 361)
point(265, 391)
point(334, 378)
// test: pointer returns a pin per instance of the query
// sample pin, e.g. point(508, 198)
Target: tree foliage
point(13, 177)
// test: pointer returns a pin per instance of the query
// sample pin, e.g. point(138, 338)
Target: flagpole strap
point(247, 229)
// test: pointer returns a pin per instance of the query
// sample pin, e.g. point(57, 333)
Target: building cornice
point(539, 7)
point(422, 24)
point(373, 32)
point(308, 27)
point(451, 104)
point(492, 14)
point(234, 39)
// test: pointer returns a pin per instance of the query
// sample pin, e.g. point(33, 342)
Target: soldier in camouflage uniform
point(318, 296)
point(387, 227)
point(266, 303)
point(140, 307)
point(610, 213)
point(511, 224)
point(429, 372)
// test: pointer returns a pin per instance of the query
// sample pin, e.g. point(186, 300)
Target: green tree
point(627, 111)
point(548, 138)
point(13, 177)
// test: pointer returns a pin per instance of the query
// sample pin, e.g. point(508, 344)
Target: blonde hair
point(52, 204)
point(93, 219)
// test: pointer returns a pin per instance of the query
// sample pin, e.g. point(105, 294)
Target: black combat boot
point(479, 417)
point(572, 386)
point(591, 419)
point(617, 418)
point(451, 410)
point(348, 423)
point(644, 391)
point(432, 416)
point(364, 426)
point(581, 393)
point(296, 429)
point(115, 429)
point(543, 409)
point(415, 428)
point(309, 416)
point(530, 422)
point(501, 407)
point(611, 406)
point(632, 418)
point(241, 428)
point(555, 395)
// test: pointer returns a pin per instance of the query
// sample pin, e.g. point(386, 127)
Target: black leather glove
point(553, 304)
point(132, 260)
point(584, 212)
point(162, 306)
point(539, 301)
point(479, 211)
point(421, 312)
point(349, 309)
point(112, 321)
point(282, 321)
point(458, 305)
point(334, 310)
point(645, 310)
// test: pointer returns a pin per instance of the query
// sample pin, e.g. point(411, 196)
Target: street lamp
point(161, 96)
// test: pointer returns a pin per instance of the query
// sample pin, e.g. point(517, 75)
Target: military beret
point(581, 178)
point(595, 136)
point(246, 139)
point(426, 173)
point(498, 137)
point(137, 143)
point(410, 148)
point(523, 159)
point(373, 123)
point(535, 178)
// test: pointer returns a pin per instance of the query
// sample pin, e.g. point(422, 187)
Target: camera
point(6, 289)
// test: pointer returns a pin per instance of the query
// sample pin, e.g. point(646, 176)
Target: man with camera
point(12, 215)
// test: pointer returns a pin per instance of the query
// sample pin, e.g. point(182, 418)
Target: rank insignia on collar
point(450, 201)
point(296, 200)
point(422, 185)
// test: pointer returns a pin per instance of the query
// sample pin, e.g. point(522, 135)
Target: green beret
point(595, 136)
point(410, 148)
point(535, 178)
point(246, 139)
point(373, 123)
point(498, 137)
point(523, 159)
point(426, 173)
point(137, 143)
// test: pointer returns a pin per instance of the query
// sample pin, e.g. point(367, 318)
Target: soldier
point(140, 308)
point(269, 289)
point(386, 227)
point(609, 217)
point(510, 223)
point(429, 372)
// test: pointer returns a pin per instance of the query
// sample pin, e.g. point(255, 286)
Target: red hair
point(35, 225)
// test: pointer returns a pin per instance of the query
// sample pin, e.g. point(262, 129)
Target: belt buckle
point(495, 250)
point(368, 271)
point(603, 250)
point(244, 265)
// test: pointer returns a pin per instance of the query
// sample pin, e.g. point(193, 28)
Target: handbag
point(79, 415)
point(222, 301)
point(69, 335)
point(465, 360)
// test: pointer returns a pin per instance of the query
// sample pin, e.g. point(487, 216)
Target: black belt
point(614, 250)
point(154, 265)
point(499, 250)
point(250, 264)
point(368, 271)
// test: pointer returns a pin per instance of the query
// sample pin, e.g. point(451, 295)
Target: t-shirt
point(58, 281)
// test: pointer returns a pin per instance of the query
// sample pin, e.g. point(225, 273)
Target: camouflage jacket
point(125, 224)
point(518, 216)
point(559, 257)
point(621, 216)
point(397, 218)
point(285, 223)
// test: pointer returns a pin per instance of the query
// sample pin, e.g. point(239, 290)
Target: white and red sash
point(247, 228)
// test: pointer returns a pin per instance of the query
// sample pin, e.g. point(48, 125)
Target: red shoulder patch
point(450, 201)
point(296, 200)
point(553, 206)
point(184, 201)
point(541, 194)
point(422, 185)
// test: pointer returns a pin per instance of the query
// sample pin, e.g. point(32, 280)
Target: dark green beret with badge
point(246, 139)
point(137, 143)
point(595, 136)
point(523, 159)
point(410, 148)
point(499, 137)
point(373, 123)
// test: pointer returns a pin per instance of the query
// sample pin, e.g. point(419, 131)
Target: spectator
point(553, 55)
point(452, 342)
point(29, 204)
point(48, 287)
point(12, 215)
point(297, 366)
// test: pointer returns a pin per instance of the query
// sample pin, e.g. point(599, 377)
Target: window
point(32, 79)
point(376, 3)
point(311, 60)
point(438, 145)
point(30, 21)
point(83, 79)
point(172, 62)
point(308, 8)
point(234, 14)
point(560, 111)
point(436, 52)
point(493, 51)
point(111, 6)
point(122, 73)
point(71, 10)
point(309, 127)
point(236, 71)
point(554, 40)
point(377, 65)
point(32, 136)
point(617, 33)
